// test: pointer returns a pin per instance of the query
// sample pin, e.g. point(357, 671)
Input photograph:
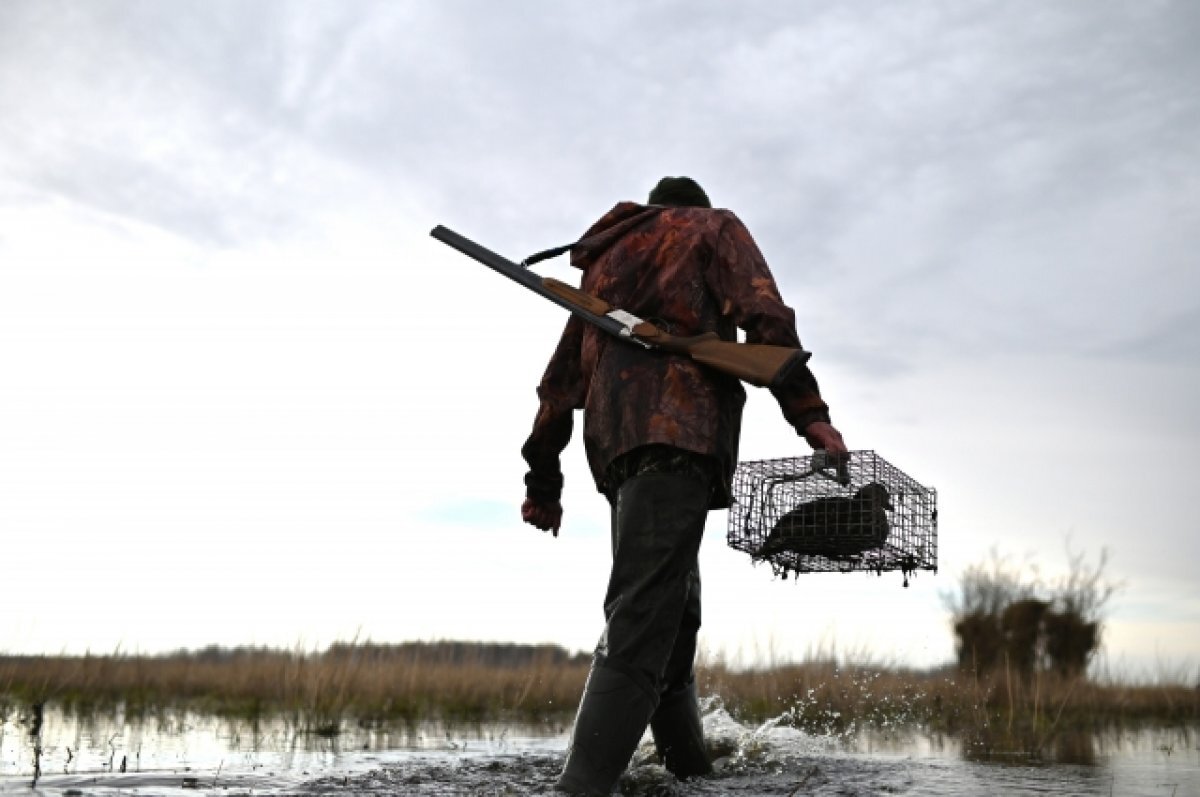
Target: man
point(661, 435)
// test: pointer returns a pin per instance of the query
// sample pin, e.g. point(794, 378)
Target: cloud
point(985, 215)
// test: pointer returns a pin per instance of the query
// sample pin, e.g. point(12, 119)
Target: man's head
point(679, 192)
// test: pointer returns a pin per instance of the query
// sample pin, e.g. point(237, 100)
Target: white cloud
point(228, 346)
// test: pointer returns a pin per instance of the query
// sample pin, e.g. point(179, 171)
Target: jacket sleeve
point(745, 288)
point(561, 392)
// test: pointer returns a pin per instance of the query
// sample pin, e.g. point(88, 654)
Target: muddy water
point(188, 754)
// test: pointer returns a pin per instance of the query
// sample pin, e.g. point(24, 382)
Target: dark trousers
point(652, 606)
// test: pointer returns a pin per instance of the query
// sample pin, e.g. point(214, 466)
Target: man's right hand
point(545, 515)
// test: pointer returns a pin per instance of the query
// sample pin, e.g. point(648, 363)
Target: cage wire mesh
point(803, 515)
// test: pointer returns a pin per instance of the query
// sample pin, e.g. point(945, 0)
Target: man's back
point(657, 270)
point(691, 270)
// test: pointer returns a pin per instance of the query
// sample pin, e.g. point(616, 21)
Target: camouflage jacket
point(689, 270)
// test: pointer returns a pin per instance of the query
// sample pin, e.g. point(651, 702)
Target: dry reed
point(319, 691)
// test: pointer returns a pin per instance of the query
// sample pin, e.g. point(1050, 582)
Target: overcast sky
point(245, 399)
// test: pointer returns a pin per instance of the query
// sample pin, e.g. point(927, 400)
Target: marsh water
point(54, 753)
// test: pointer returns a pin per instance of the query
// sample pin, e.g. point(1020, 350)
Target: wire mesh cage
point(802, 514)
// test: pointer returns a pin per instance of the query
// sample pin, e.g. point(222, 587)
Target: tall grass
point(319, 691)
point(316, 690)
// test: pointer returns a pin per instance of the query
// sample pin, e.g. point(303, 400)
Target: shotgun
point(754, 363)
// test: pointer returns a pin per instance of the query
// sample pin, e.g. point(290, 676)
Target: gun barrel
point(525, 277)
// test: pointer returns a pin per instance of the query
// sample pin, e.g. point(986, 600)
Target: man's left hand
point(822, 435)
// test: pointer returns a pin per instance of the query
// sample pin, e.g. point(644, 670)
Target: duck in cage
point(809, 514)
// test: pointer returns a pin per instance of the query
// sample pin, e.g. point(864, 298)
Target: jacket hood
point(611, 227)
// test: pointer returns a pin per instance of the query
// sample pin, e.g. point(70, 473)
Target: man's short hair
point(679, 192)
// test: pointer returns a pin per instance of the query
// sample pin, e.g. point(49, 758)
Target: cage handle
point(821, 461)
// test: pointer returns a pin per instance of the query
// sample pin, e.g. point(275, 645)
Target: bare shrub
point(1073, 628)
point(986, 591)
point(1005, 617)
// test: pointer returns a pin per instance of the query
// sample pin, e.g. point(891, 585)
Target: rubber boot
point(612, 717)
point(679, 733)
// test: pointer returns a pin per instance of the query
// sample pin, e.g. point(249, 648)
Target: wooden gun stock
point(757, 364)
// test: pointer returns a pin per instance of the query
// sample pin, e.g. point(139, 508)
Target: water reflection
point(1058, 747)
point(37, 742)
point(169, 752)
